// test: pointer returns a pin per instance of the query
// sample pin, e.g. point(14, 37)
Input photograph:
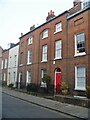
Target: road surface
point(15, 108)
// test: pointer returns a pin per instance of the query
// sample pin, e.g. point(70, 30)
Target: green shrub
point(47, 79)
point(10, 85)
point(64, 86)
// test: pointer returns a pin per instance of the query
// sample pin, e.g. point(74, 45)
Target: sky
point(17, 16)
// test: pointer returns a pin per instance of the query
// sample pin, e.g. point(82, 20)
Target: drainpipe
point(38, 76)
point(67, 49)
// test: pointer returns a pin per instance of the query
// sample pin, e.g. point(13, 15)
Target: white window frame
point(76, 79)
point(76, 53)
point(44, 53)
point(8, 77)
point(29, 57)
point(10, 58)
point(58, 50)
point(5, 65)
point(21, 57)
point(4, 76)
point(2, 64)
point(20, 76)
point(28, 77)
point(43, 84)
point(30, 40)
point(45, 34)
point(58, 27)
point(43, 72)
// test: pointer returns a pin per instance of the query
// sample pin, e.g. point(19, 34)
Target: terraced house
point(12, 64)
point(60, 48)
point(9, 64)
point(40, 48)
point(78, 62)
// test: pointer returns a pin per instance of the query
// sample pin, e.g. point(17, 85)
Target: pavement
point(73, 110)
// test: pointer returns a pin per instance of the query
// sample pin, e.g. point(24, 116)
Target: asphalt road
point(15, 108)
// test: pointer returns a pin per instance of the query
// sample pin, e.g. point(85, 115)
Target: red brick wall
point(22, 58)
point(75, 26)
point(36, 47)
point(50, 41)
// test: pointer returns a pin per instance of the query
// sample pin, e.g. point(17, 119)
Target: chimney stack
point(77, 2)
point(76, 7)
point(50, 15)
point(21, 34)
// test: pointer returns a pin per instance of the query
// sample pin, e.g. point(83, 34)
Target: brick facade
point(78, 24)
point(37, 64)
point(74, 21)
point(5, 54)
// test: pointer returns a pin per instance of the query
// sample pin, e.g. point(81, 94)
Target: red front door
point(58, 78)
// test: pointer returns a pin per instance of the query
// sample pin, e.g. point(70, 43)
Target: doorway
point(58, 79)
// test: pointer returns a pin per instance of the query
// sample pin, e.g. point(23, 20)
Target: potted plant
point(88, 91)
point(64, 88)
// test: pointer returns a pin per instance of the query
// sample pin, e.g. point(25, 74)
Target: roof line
point(44, 23)
point(77, 13)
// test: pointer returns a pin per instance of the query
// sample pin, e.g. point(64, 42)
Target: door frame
point(55, 80)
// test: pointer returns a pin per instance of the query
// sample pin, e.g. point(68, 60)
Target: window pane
point(44, 49)
point(81, 72)
point(30, 40)
point(80, 43)
point(59, 27)
point(45, 33)
point(58, 49)
point(28, 77)
point(81, 77)
point(30, 56)
point(44, 72)
point(82, 37)
point(44, 53)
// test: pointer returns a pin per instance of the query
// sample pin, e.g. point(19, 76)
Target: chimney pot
point(76, 2)
point(50, 15)
point(32, 27)
point(21, 34)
